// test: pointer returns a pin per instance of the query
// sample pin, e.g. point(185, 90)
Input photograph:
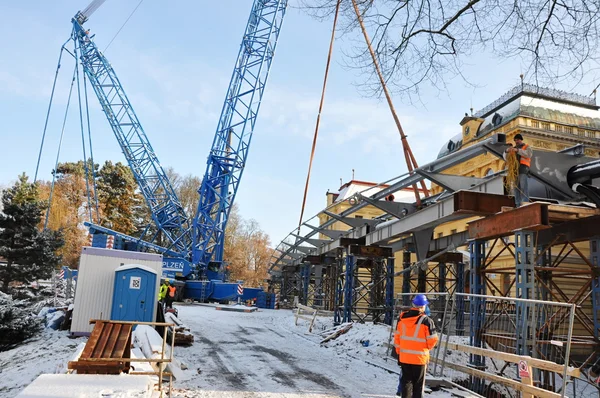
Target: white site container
point(96, 280)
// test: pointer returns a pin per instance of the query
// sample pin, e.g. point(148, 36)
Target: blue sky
point(174, 60)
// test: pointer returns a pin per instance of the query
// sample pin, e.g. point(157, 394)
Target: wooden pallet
point(107, 350)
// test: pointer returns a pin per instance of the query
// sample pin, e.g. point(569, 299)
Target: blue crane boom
point(202, 239)
point(229, 151)
point(167, 212)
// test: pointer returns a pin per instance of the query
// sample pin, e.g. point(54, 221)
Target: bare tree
point(420, 42)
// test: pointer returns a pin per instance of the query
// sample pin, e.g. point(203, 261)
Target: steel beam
point(578, 230)
point(450, 182)
point(533, 217)
point(460, 300)
point(352, 222)
point(389, 292)
point(460, 205)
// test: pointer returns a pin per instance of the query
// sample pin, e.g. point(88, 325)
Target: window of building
point(559, 128)
point(440, 235)
point(590, 134)
point(358, 216)
point(489, 172)
point(535, 123)
point(545, 126)
point(581, 132)
point(568, 129)
point(453, 232)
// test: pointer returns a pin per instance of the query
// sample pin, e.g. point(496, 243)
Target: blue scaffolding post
point(477, 309)
point(406, 278)
point(338, 299)
point(389, 292)
point(525, 284)
point(595, 260)
point(306, 268)
point(349, 287)
point(460, 300)
point(542, 329)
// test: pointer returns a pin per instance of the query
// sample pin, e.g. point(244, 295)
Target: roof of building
point(544, 104)
point(353, 187)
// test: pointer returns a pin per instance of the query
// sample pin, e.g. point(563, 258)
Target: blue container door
point(134, 296)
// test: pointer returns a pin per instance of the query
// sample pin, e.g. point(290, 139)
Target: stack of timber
point(183, 337)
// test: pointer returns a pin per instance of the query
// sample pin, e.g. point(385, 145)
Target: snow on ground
point(48, 352)
point(263, 354)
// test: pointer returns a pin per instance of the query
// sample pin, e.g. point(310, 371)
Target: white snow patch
point(92, 386)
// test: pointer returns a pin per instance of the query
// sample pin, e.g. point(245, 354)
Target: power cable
point(314, 144)
point(124, 23)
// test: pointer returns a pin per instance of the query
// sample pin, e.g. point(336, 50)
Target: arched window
point(489, 172)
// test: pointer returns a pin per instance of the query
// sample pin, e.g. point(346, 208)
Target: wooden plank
point(106, 332)
point(538, 392)
point(513, 358)
point(112, 341)
point(93, 340)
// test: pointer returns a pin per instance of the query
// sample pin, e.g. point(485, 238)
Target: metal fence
point(491, 344)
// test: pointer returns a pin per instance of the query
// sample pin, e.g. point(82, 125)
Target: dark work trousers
point(413, 380)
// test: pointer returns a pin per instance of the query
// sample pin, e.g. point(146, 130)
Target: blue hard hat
point(420, 300)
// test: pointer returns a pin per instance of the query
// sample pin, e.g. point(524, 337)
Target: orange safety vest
point(414, 340)
point(171, 291)
point(523, 160)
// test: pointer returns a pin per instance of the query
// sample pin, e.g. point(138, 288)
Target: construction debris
point(182, 332)
point(334, 333)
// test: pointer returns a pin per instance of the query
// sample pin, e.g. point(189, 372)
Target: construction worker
point(162, 293)
point(170, 297)
point(524, 154)
point(415, 336)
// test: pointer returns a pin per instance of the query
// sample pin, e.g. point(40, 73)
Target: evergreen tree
point(30, 254)
point(118, 197)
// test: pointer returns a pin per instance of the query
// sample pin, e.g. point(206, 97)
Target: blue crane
point(167, 212)
point(200, 241)
point(229, 152)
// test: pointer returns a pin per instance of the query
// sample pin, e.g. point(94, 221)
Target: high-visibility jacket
point(162, 293)
point(172, 291)
point(525, 161)
point(415, 336)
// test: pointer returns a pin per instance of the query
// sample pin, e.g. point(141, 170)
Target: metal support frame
point(305, 274)
point(595, 260)
point(477, 307)
point(389, 292)
point(406, 278)
point(339, 277)
point(460, 300)
point(524, 255)
point(349, 287)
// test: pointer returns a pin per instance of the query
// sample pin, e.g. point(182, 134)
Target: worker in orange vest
point(524, 155)
point(170, 297)
point(415, 336)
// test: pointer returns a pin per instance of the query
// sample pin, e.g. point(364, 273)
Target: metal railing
point(519, 344)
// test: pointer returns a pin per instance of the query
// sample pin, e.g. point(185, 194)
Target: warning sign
point(135, 282)
point(524, 369)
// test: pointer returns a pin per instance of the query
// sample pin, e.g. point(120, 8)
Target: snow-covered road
point(262, 354)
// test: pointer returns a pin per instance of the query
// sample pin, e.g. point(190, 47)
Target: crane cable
point(314, 143)
point(122, 26)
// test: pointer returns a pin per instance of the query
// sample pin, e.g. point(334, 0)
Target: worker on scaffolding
point(415, 336)
point(524, 154)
